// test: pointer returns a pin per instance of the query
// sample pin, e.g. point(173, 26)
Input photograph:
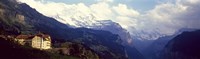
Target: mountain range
point(89, 21)
point(19, 18)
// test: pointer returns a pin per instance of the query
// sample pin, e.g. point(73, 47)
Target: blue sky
point(141, 5)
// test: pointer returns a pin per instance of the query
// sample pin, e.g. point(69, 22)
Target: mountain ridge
point(183, 46)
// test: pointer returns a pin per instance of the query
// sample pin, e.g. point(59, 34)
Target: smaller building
point(39, 41)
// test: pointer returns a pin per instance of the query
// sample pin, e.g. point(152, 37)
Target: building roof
point(24, 37)
point(42, 35)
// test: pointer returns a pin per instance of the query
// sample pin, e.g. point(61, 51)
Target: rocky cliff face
point(114, 28)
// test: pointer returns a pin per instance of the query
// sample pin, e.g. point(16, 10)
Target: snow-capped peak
point(89, 21)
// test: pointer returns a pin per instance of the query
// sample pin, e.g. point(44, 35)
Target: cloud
point(123, 10)
point(102, 11)
point(167, 19)
point(164, 19)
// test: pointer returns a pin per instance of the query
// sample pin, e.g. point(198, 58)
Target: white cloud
point(102, 11)
point(123, 10)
